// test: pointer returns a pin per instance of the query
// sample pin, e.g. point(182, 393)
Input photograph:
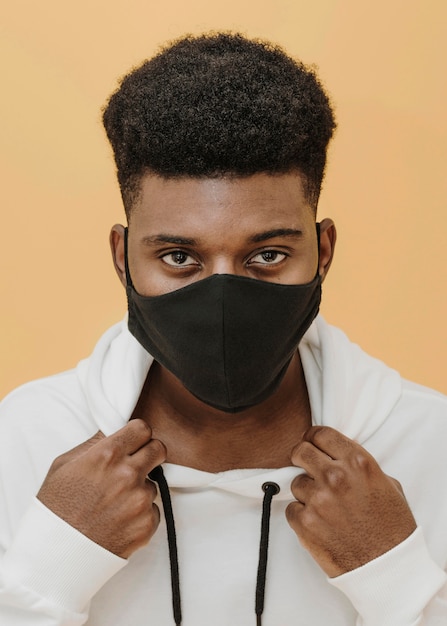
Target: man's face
point(184, 230)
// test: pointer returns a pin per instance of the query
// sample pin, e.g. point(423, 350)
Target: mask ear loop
point(318, 244)
point(126, 264)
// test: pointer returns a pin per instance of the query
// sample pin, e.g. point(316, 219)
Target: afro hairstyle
point(219, 105)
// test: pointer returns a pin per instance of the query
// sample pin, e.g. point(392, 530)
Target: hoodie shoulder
point(60, 392)
point(349, 390)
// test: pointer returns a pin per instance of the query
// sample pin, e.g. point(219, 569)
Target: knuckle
point(336, 478)
point(322, 501)
point(110, 452)
point(126, 473)
point(363, 462)
point(141, 502)
point(106, 454)
point(307, 521)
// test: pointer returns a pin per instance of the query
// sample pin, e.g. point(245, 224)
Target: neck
point(205, 438)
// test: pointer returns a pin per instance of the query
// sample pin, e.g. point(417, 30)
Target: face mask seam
point(227, 386)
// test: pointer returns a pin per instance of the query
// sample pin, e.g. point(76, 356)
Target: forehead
point(224, 203)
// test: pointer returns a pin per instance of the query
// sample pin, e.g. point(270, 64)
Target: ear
point(328, 237)
point(117, 247)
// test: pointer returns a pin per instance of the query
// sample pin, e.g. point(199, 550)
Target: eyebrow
point(162, 238)
point(277, 232)
point(187, 241)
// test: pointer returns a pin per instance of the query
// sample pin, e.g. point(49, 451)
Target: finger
point(294, 511)
point(149, 456)
point(302, 488)
point(330, 441)
point(132, 436)
point(310, 458)
point(78, 450)
point(151, 488)
point(86, 445)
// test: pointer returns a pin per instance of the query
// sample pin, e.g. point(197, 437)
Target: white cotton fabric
point(51, 575)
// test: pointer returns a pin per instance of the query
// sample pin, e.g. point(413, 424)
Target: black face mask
point(227, 338)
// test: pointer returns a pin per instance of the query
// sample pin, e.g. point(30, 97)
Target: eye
point(178, 258)
point(268, 257)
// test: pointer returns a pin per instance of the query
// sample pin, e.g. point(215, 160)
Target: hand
point(348, 511)
point(101, 488)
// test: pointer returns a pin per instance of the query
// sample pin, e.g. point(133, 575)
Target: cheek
point(303, 268)
point(147, 281)
point(143, 274)
point(150, 279)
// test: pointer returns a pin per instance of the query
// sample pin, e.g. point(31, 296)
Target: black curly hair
point(219, 105)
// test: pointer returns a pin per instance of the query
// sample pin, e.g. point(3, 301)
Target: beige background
point(385, 64)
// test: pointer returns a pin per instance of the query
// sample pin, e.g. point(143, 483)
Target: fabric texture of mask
point(227, 338)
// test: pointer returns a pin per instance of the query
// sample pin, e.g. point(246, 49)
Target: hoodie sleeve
point(403, 587)
point(50, 572)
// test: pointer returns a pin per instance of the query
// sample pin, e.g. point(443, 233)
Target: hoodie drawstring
point(158, 476)
point(270, 489)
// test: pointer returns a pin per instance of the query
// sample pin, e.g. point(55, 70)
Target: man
point(276, 444)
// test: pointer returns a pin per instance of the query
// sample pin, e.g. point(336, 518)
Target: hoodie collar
point(348, 390)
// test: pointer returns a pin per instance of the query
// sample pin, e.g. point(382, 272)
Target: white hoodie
point(51, 575)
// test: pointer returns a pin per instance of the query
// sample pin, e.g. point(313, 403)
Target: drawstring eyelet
point(274, 487)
